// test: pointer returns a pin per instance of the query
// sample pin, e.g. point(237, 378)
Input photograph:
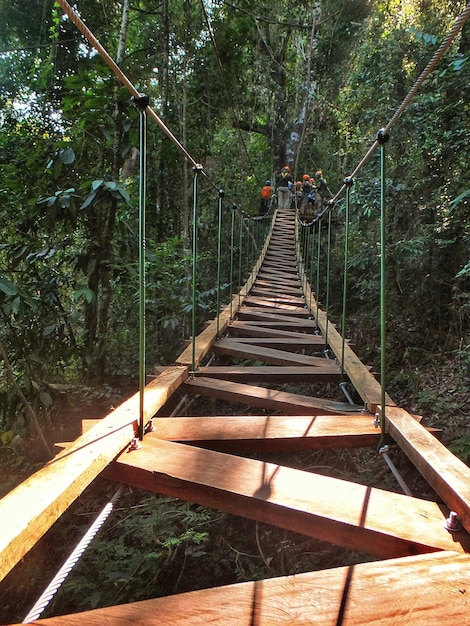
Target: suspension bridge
point(284, 380)
point(274, 320)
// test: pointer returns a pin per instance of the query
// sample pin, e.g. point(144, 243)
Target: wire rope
point(55, 584)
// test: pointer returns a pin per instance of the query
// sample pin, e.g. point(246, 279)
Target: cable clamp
point(382, 136)
point(140, 102)
point(197, 167)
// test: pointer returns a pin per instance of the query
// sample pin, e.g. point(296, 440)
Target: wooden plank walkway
point(265, 352)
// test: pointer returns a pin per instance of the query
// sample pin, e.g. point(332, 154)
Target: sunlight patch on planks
point(432, 589)
point(363, 518)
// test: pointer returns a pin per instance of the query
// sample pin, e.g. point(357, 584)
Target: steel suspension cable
point(55, 584)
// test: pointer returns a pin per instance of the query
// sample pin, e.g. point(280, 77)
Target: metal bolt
point(134, 445)
point(452, 523)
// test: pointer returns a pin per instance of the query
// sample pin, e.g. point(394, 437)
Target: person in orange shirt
point(266, 195)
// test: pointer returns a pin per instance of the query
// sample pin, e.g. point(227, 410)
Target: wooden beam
point(383, 592)
point(294, 312)
point(269, 433)
point(237, 327)
point(447, 475)
point(429, 589)
point(253, 352)
point(273, 373)
point(360, 517)
point(302, 341)
point(290, 403)
point(28, 511)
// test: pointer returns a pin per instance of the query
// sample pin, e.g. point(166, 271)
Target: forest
point(246, 87)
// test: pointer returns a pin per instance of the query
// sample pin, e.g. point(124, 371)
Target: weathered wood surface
point(28, 511)
point(301, 342)
point(329, 372)
point(371, 520)
point(256, 329)
point(294, 312)
point(272, 399)
point(447, 475)
point(269, 433)
point(285, 304)
point(253, 352)
point(431, 589)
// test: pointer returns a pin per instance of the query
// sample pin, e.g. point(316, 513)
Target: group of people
point(310, 194)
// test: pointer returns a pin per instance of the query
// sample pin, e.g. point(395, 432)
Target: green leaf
point(8, 288)
point(45, 398)
point(96, 184)
point(67, 156)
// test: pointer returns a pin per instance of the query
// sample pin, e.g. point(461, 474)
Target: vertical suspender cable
point(345, 271)
point(141, 104)
point(240, 258)
point(328, 269)
point(232, 252)
point(219, 257)
point(312, 241)
point(382, 138)
point(196, 170)
point(318, 271)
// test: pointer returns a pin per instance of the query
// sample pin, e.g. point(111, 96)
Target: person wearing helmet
point(284, 181)
point(266, 195)
point(307, 189)
point(322, 187)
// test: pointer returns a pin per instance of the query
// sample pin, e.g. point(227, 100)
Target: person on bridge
point(266, 195)
point(306, 190)
point(322, 188)
point(284, 195)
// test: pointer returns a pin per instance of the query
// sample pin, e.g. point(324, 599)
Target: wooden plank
point(274, 304)
point(238, 327)
point(28, 511)
point(290, 403)
point(301, 342)
point(254, 314)
point(384, 592)
point(295, 311)
point(252, 352)
point(447, 475)
point(269, 433)
point(273, 373)
point(360, 517)
point(298, 325)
